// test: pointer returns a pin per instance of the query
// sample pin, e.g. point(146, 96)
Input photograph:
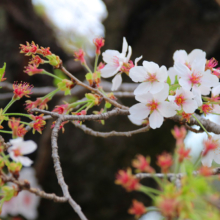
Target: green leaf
point(108, 105)
point(176, 80)
point(169, 81)
point(2, 71)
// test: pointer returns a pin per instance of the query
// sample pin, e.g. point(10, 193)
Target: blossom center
point(179, 100)
point(17, 152)
point(195, 78)
point(153, 105)
point(152, 77)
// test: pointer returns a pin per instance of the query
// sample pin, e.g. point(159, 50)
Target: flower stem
point(51, 94)
point(201, 124)
point(7, 132)
point(85, 65)
point(82, 108)
point(8, 106)
point(96, 62)
point(18, 114)
point(52, 75)
point(78, 103)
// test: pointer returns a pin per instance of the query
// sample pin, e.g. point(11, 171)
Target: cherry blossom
point(151, 75)
point(181, 56)
point(184, 100)
point(19, 148)
point(196, 78)
point(213, 152)
point(215, 98)
point(115, 60)
point(155, 106)
point(25, 203)
point(153, 215)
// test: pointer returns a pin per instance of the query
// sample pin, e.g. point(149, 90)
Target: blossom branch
point(58, 170)
point(23, 185)
point(111, 133)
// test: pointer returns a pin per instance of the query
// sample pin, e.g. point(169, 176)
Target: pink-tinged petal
point(143, 88)
point(216, 109)
point(190, 106)
point(167, 109)
point(172, 73)
point(139, 111)
point(163, 94)
point(137, 60)
point(25, 161)
point(28, 147)
point(196, 54)
point(162, 74)
point(205, 90)
point(138, 74)
point(199, 65)
point(135, 120)
point(129, 54)
point(124, 46)
point(187, 94)
point(109, 55)
point(180, 56)
point(151, 67)
point(216, 90)
point(185, 84)
point(155, 120)
point(156, 87)
point(144, 98)
point(207, 159)
point(209, 79)
point(116, 82)
point(108, 71)
point(181, 69)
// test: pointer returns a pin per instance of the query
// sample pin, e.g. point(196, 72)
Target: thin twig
point(193, 129)
point(24, 185)
point(111, 133)
point(58, 170)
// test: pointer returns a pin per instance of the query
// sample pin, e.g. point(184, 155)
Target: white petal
point(217, 155)
point(137, 60)
point(216, 90)
point(134, 120)
point(151, 67)
point(108, 71)
point(144, 98)
point(163, 94)
point(143, 88)
point(199, 65)
point(167, 109)
point(204, 89)
point(108, 56)
point(155, 120)
point(190, 106)
point(207, 159)
point(25, 161)
point(124, 46)
point(185, 84)
point(139, 111)
point(156, 87)
point(16, 140)
point(129, 54)
point(209, 79)
point(162, 74)
point(181, 69)
point(196, 54)
point(197, 94)
point(172, 73)
point(180, 56)
point(138, 74)
point(116, 82)
point(28, 147)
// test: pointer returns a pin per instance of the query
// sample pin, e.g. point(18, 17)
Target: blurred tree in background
point(154, 29)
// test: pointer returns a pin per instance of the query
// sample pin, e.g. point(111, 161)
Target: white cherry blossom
point(25, 203)
point(155, 106)
point(184, 100)
point(151, 75)
point(172, 73)
point(215, 98)
point(212, 154)
point(196, 78)
point(181, 56)
point(19, 148)
point(114, 61)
